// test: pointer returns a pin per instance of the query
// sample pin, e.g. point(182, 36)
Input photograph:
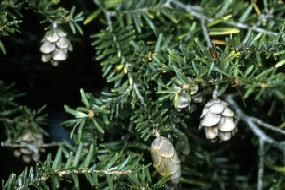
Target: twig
point(88, 171)
point(138, 93)
point(108, 14)
point(263, 138)
point(248, 120)
point(253, 125)
point(260, 164)
point(136, 90)
point(268, 126)
point(205, 33)
point(28, 145)
point(45, 176)
point(253, 28)
point(200, 17)
point(8, 120)
point(191, 10)
point(283, 153)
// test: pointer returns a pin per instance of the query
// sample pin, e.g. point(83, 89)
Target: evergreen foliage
point(151, 53)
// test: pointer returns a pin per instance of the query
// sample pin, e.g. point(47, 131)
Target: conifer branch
point(149, 62)
point(268, 126)
point(200, 17)
point(252, 123)
point(108, 15)
point(65, 172)
point(263, 138)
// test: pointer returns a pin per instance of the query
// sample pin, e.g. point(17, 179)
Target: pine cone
point(165, 159)
point(55, 46)
point(30, 146)
point(218, 120)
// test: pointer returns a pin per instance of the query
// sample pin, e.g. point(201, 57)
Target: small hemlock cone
point(184, 95)
point(55, 46)
point(30, 146)
point(218, 120)
point(165, 159)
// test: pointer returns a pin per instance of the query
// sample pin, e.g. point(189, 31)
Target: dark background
point(43, 83)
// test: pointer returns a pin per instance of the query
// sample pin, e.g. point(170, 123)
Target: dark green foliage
point(151, 51)
point(101, 168)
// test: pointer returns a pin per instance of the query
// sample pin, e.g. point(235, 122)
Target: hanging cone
point(184, 96)
point(165, 159)
point(218, 120)
point(55, 46)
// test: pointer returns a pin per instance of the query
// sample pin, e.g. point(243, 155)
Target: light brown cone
point(165, 159)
